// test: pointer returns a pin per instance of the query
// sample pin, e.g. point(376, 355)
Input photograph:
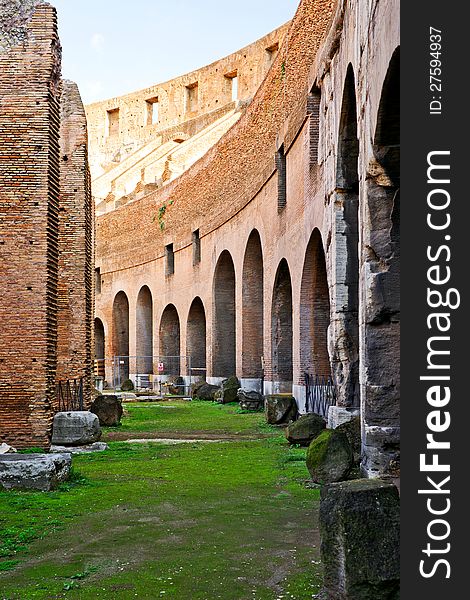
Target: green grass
point(232, 520)
point(176, 416)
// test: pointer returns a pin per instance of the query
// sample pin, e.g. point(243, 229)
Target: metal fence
point(320, 394)
point(161, 374)
point(69, 395)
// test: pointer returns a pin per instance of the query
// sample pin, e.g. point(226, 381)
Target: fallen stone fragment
point(360, 540)
point(250, 400)
point(329, 457)
point(7, 449)
point(108, 410)
point(96, 447)
point(76, 428)
point(280, 408)
point(41, 472)
point(305, 429)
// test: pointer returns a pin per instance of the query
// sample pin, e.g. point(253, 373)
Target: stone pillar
point(30, 61)
point(75, 283)
point(360, 532)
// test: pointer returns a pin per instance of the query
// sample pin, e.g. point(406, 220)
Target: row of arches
point(314, 320)
point(370, 200)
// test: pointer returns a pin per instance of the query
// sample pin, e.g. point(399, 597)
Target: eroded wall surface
point(41, 275)
point(29, 206)
point(76, 253)
point(296, 211)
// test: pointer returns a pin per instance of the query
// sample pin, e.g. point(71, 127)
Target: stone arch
point(100, 347)
point(170, 340)
point(252, 308)
point(314, 311)
point(381, 267)
point(224, 342)
point(196, 338)
point(144, 331)
point(99, 339)
point(346, 343)
point(281, 326)
point(121, 336)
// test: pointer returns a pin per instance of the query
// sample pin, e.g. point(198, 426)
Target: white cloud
point(97, 42)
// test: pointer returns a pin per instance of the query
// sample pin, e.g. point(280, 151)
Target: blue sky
point(112, 47)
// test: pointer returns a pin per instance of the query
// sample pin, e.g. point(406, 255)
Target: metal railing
point(69, 395)
point(320, 394)
point(153, 373)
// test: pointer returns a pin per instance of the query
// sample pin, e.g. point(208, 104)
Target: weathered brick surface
point(45, 253)
point(76, 218)
point(29, 192)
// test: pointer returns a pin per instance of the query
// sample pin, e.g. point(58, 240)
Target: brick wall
point(75, 282)
point(46, 227)
point(29, 203)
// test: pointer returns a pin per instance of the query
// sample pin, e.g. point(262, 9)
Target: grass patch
point(179, 416)
point(202, 521)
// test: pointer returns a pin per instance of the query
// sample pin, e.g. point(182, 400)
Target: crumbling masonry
point(46, 227)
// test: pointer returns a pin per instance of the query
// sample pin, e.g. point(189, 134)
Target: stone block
point(108, 410)
point(250, 400)
point(305, 429)
point(280, 408)
point(204, 391)
point(75, 428)
point(337, 415)
point(359, 526)
point(41, 472)
point(228, 391)
point(329, 457)
point(96, 447)
point(352, 430)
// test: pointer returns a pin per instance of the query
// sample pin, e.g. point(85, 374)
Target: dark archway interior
point(314, 311)
point(346, 358)
point(144, 331)
point(223, 358)
point(170, 341)
point(121, 335)
point(99, 340)
point(252, 314)
point(196, 338)
point(281, 325)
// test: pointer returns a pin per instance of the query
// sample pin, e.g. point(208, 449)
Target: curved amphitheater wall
point(234, 189)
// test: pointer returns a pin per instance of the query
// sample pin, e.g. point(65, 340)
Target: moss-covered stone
point(228, 391)
point(127, 385)
point(204, 391)
point(305, 429)
point(329, 457)
point(352, 430)
point(280, 408)
point(359, 525)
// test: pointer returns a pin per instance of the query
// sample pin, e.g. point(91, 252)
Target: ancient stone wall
point(326, 290)
point(184, 105)
point(76, 218)
point(32, 228)
point(29, 191)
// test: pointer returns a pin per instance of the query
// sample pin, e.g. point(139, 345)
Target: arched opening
point(252, 308)
point(281, 326)
point(196, 339)
point(314, 311)
point(381, 354)
point(144, 332)
point(121, 337)
point(99, 348)
point(170, 341)
point(346, 346)
point(223, 352)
